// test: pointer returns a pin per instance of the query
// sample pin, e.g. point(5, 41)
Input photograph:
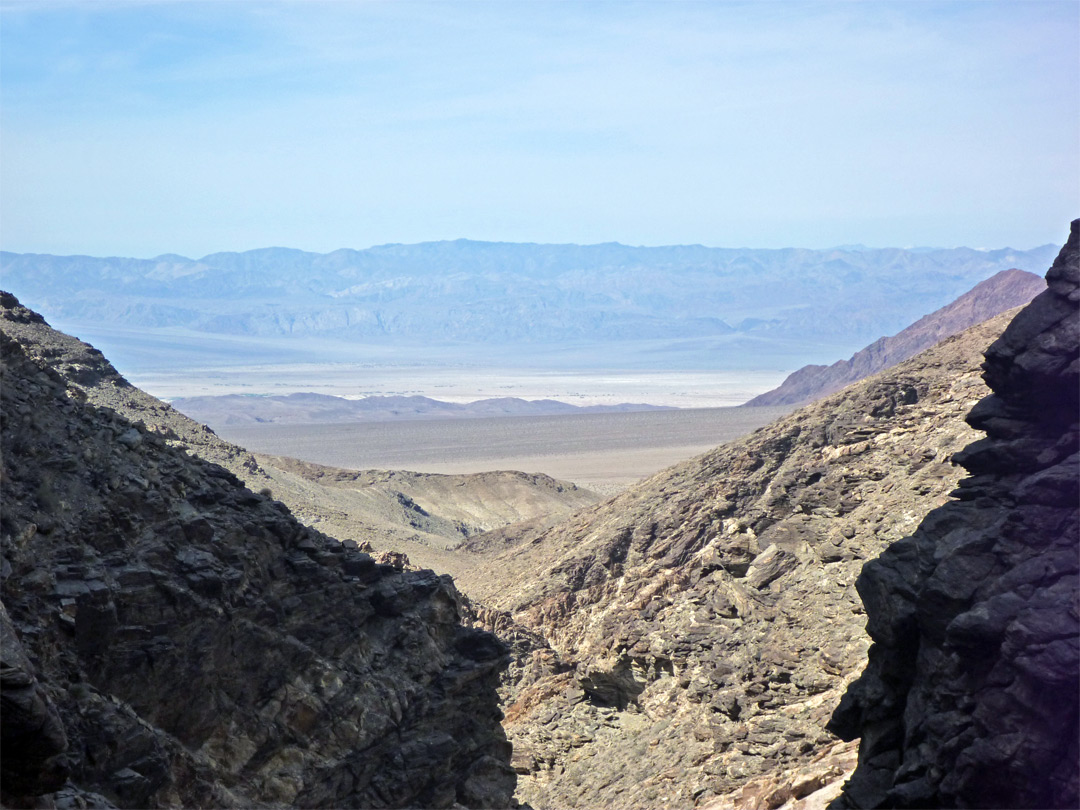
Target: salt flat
point(680, 389)
point(604, 452)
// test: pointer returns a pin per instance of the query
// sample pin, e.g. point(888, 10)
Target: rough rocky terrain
point(686, 643)
point(420, 515)
point(972, 693)
point(1004, 290)
point(171, 638)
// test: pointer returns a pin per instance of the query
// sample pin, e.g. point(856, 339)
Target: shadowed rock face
point(685, 643)
point(970, 698)
point(172, 638)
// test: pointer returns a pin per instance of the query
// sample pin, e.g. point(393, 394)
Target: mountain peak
point(1004, 290)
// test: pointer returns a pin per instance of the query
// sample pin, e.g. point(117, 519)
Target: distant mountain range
point(305, 408)
point(1003, 291)
point(611, 304)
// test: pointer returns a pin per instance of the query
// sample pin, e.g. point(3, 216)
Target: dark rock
point(31, 732)
point(193, 645)
point(971, 697)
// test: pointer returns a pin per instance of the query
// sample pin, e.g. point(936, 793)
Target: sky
point(141, 128)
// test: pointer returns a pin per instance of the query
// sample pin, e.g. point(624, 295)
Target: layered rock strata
point(970, 698)
point(686, 643)
point(171, 638)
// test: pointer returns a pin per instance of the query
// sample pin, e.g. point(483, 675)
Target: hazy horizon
point(360, 249)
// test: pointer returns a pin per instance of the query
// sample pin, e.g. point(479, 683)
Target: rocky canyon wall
point(970, 698)
point(171, 638)
point(685, 643)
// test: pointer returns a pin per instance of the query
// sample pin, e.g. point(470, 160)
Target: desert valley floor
point(602, 452)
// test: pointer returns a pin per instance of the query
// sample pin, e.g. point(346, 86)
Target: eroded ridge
point(970, 698)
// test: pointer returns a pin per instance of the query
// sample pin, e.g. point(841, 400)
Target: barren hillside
point(417, 514)
point(690, 638)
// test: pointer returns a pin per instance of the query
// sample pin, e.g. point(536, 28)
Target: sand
point(602, 452)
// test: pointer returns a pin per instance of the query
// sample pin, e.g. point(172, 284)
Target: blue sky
point(140, 128)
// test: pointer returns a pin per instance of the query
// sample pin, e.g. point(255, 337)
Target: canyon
point(719, 635)
point(172, 638)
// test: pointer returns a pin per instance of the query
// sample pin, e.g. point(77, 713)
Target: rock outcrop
point(970, 698)
point(1004, 290)
point(685, 643)
point(171, 638)
point(419, 514)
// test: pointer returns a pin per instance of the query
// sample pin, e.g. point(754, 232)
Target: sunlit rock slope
point(686, 643)
point(972, 694)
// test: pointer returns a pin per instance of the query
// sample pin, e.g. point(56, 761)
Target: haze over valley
point(498, 305)
point(544, 405)
point(682, 326)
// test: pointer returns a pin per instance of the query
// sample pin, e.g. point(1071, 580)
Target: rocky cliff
point(1004, 290)
point(419, 514)
point(970, 698)
point(170, 637)
point(686, 643)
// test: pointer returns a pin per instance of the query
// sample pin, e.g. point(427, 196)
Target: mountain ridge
point(1004, 290)
point(392, 246)
point(308, 408)
point(457, 295)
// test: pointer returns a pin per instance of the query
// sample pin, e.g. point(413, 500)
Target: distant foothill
point(584, 306)
point(309, 408)
point(1001, 292)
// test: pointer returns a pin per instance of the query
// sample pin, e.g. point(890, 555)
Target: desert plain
point(602, 452)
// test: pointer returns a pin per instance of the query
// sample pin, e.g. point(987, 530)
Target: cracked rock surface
point(970, 698)
point(171, 638)
point(686, 643)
